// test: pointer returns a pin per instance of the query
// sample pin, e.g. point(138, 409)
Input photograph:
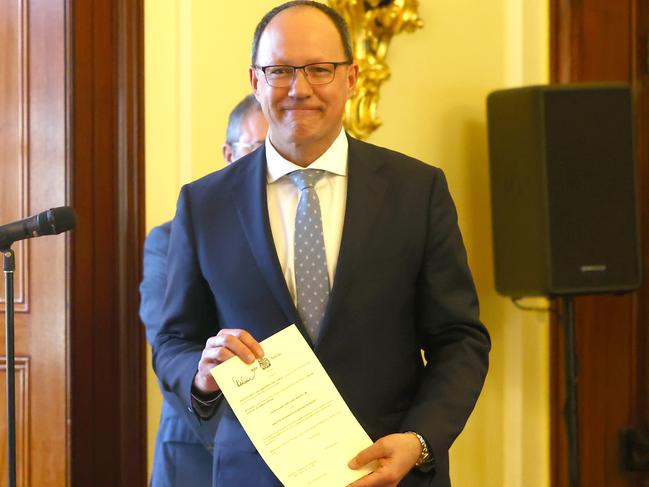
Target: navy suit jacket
point(402, 284)
point(183, 450)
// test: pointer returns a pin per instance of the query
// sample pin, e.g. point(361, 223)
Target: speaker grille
point(563, 191)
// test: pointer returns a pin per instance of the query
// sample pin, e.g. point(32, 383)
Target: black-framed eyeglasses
point(282, 75)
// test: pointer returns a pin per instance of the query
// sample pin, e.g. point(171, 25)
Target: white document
point(294, 414)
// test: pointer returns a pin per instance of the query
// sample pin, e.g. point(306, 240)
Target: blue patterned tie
point(311, 276)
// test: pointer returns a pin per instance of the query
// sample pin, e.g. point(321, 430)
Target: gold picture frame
point(372, 25)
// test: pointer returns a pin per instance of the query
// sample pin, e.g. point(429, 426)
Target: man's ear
point(352, 79)
point(227, 153)
point(254, 80)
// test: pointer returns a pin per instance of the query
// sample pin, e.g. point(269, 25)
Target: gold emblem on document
point(264, 363)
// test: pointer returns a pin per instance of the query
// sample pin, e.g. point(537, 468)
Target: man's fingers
point(376, 479)
point(395, 455)
point(226, 344)
point(368, 455)
point(238, 342)
point(238, 347)
point(214, 356)
point(252, 344)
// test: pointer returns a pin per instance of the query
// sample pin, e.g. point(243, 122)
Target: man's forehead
point(294, 16)
point(305, 31)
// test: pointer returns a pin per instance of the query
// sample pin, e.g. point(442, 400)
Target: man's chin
point(296, 120)
point(300, 132)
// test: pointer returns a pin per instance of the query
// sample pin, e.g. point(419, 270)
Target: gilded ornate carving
point(372, 24)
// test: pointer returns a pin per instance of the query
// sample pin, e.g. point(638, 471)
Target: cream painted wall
point(161, 37)
point(433, 108)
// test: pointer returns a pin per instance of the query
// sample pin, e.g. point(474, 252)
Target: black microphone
point(50, 222)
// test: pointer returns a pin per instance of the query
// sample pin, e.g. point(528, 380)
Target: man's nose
point(300, 87)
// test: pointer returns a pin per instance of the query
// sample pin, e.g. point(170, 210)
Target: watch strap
point(425, 455)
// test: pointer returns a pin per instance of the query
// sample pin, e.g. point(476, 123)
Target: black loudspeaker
point(563, 190)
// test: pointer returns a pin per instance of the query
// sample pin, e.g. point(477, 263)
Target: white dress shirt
point(283, 197)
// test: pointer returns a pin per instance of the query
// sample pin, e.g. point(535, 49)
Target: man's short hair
point(335, 17)
point(245, 107)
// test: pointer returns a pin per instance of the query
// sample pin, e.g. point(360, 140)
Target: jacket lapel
point(365, 192)
point(249, 194)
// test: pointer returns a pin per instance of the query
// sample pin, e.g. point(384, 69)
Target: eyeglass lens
point(316, 74)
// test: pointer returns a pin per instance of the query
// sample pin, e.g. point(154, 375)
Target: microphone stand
point(9, 265)
point(50, 222)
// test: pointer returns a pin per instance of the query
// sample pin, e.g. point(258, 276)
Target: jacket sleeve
point(455, 343)
point(152, 291)
point(188, 310)
point(154, 279)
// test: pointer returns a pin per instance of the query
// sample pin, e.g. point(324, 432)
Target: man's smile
point(302, 109)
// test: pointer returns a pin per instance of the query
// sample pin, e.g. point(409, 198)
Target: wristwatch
point(426, 455)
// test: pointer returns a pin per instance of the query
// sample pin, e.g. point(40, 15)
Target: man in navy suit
point(183, 451)
point(391, 254)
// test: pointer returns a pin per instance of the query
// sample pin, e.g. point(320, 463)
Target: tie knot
point(306, 178)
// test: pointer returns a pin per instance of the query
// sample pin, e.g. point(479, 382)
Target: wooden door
point(606, 40)
point(33, 179)
point(71, 133)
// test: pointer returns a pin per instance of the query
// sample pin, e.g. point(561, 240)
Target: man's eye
point(319, 70)
point(279, 71)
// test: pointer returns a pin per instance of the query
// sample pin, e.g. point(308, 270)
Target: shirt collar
point(334, 160)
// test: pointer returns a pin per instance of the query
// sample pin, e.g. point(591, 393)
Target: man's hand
point(228, 343)
point(396, 455)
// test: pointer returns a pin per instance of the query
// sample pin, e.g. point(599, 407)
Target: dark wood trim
point(562, 45)
point(640, 83)
point(131, 216)
point(599, 40)
point(106, 342)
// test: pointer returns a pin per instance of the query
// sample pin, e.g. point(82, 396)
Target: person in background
point(183, 449)
point(358, 245)
point(246, 130)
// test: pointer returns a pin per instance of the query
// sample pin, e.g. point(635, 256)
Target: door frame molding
point(106, 348)
point(583, 48)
